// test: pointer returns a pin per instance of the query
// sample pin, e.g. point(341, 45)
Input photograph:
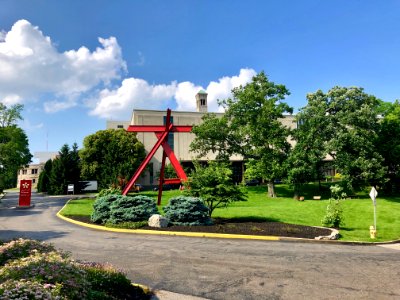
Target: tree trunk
point(271, 189)
point(296, 192)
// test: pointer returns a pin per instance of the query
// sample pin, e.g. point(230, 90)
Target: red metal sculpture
point(161, 133)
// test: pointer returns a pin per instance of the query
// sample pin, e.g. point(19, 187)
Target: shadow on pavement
point(37, 235)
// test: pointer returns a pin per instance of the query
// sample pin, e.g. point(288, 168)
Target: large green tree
point(250, 127)
point(14, 151)
point(65, 169)
point(214, 185)
point(389, 144)
point(349, 132)
point(110, 154)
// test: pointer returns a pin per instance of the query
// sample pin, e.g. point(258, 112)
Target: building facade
point(179, 142)
point(32, 171)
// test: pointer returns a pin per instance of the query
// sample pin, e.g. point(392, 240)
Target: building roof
point(202, 92)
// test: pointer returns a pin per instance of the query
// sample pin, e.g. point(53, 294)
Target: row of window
point(25, 171)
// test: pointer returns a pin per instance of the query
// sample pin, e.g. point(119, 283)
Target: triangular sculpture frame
point(161, 132)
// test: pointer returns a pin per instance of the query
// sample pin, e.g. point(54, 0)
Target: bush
point(22, 248)
point(109, 191)
point(132, 209)
point(52, 268)
point(106, 282)
point(52, 275)
point(334, 212)
point(102, 208)
point(25, 289)
point(183, 210)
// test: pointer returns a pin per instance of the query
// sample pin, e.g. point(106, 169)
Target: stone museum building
point(179, 142)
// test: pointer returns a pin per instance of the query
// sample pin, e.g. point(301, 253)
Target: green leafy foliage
point(334, 211)
point(65, 169)
point(110, 154)
point(389, 146)
point(348, 133)
point(110, 191)
point(14, 146)
point(106, 282)
point(214, 185)
point(44, 177)
point(183, 210)
point(250, 127)
point(132, 209)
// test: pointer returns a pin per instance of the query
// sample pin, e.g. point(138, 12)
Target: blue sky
point(75, 64)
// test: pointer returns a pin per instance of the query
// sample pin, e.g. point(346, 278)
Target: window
point(34, 171)
point(33, 180)
point(170, 135)
point(24, 172)
point(203, 102)
point(120, 126)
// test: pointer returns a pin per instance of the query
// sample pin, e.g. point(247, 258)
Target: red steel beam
point(146, 160)
point(158, 128)
point(172, 158)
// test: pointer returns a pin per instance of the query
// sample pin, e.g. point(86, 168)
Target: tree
point(214, 185)
point(304, 161)
point(44, 177)
point(109, 154)
point(9, 116)
point(389, 144)
point(65, 169)
point(251, 127)
point(14, 151)
point(349, 132)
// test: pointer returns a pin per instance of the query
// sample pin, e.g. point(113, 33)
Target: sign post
point(372, 229)
point(25, 189)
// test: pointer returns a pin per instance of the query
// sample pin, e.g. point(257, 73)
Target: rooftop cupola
point(201, 101)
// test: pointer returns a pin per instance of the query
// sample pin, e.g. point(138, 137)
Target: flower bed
point(33, 270)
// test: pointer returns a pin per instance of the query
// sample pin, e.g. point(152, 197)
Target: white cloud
point(222, 89)
point(56, 106)
point(133, 92)
point(31, 65)
point(139, 94)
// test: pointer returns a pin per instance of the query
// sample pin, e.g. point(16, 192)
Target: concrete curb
point(217, 235)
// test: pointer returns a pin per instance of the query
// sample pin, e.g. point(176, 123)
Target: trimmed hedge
point(183, 210)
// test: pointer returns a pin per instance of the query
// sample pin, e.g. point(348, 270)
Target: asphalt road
point(217, 268)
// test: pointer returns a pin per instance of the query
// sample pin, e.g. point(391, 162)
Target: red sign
point(25, 188)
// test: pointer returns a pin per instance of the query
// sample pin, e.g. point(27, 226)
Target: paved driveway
point(215, 268)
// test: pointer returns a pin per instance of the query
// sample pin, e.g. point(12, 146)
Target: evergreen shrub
point(132, 209)
point(102, 207)
point(184, 210)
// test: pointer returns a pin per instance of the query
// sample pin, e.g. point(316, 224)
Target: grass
point(358, 213)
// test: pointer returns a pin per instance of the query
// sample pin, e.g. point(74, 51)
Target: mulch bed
point(246, 228)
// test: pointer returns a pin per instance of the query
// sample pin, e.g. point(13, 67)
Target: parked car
point(252, 182)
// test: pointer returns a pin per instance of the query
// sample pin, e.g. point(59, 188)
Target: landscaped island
point(260, 212)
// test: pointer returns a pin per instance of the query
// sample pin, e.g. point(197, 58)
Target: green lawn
point(358, 213)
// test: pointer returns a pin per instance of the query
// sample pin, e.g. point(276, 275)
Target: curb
point(218, 235)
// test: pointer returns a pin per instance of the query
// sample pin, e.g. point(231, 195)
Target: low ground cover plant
point(45, 273)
